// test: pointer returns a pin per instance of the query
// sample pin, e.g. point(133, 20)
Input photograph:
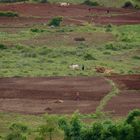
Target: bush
point(35, 30)
point(8, 14)
point(136, 57)
point(136, 126)
point(91, 3)
point(110, 46)
point(56, 21)
point(131, 116)
point(18, 132)
point(89, 57)
point(2, 47)
point(125, 132)
point(128, 4)
point(108, 28)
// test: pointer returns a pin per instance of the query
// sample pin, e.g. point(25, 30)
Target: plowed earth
point(74, 14)
point(58, 95)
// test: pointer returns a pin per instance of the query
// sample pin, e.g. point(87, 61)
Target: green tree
point(17, 132)
point(131, 116)
point(65, 126)
point(136, 125)
point(47, 129)
point(75, 127)
point(110, 131)
point(126, 132)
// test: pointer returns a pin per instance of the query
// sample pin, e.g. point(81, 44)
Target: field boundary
point(115, 91)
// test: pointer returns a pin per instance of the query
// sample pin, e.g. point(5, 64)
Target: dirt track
point(73, 14)
point(39, 95)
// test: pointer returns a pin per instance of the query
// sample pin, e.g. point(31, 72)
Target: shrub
point(108, 28)
point(75, 127)
point(110, 46)
point(136, 126)
point(91, 3)
point(56, 21)
point(136, 57)
point(131, 116)
point(89, 57)
point(125, 132)
point(8, 14)
point(18, 132)
point(2, 47)
point(35, 30)
point(128, 4)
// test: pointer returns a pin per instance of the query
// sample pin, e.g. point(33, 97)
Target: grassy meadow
point(35, 53)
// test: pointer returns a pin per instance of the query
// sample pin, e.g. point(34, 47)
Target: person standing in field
point(77, 96)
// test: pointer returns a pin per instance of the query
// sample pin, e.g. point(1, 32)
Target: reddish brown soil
point(73, 14)
point(38, 95)
point(129, 97)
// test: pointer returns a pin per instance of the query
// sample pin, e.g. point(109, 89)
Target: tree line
point(73, 128)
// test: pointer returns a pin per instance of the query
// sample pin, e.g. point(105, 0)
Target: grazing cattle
point(64, 4)
point(74, 67)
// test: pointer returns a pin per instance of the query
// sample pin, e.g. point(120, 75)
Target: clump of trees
point(75, 129)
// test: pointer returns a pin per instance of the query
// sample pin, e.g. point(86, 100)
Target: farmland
point(37, 74)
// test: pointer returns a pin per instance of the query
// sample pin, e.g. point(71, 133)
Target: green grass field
point(36, 54)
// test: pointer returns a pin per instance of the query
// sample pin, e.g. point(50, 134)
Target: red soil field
point(73, 14)
point(129, 97)
point(39, 95)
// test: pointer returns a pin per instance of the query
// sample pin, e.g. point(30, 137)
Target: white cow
point(74, 67)
point(64, 4)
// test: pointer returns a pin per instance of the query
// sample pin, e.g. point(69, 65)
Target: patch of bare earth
point(73, 14)
point(129, 97)
point(53, 95)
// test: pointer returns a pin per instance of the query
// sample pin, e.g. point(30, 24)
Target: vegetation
point(8, 14)
point(90, 3)
point(73, 127)
point(35, 53)
point(107, 3)
point(56, 21)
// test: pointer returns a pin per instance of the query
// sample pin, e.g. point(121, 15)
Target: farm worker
point(77, 96)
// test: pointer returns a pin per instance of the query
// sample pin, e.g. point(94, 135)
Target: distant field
point(109, 3)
